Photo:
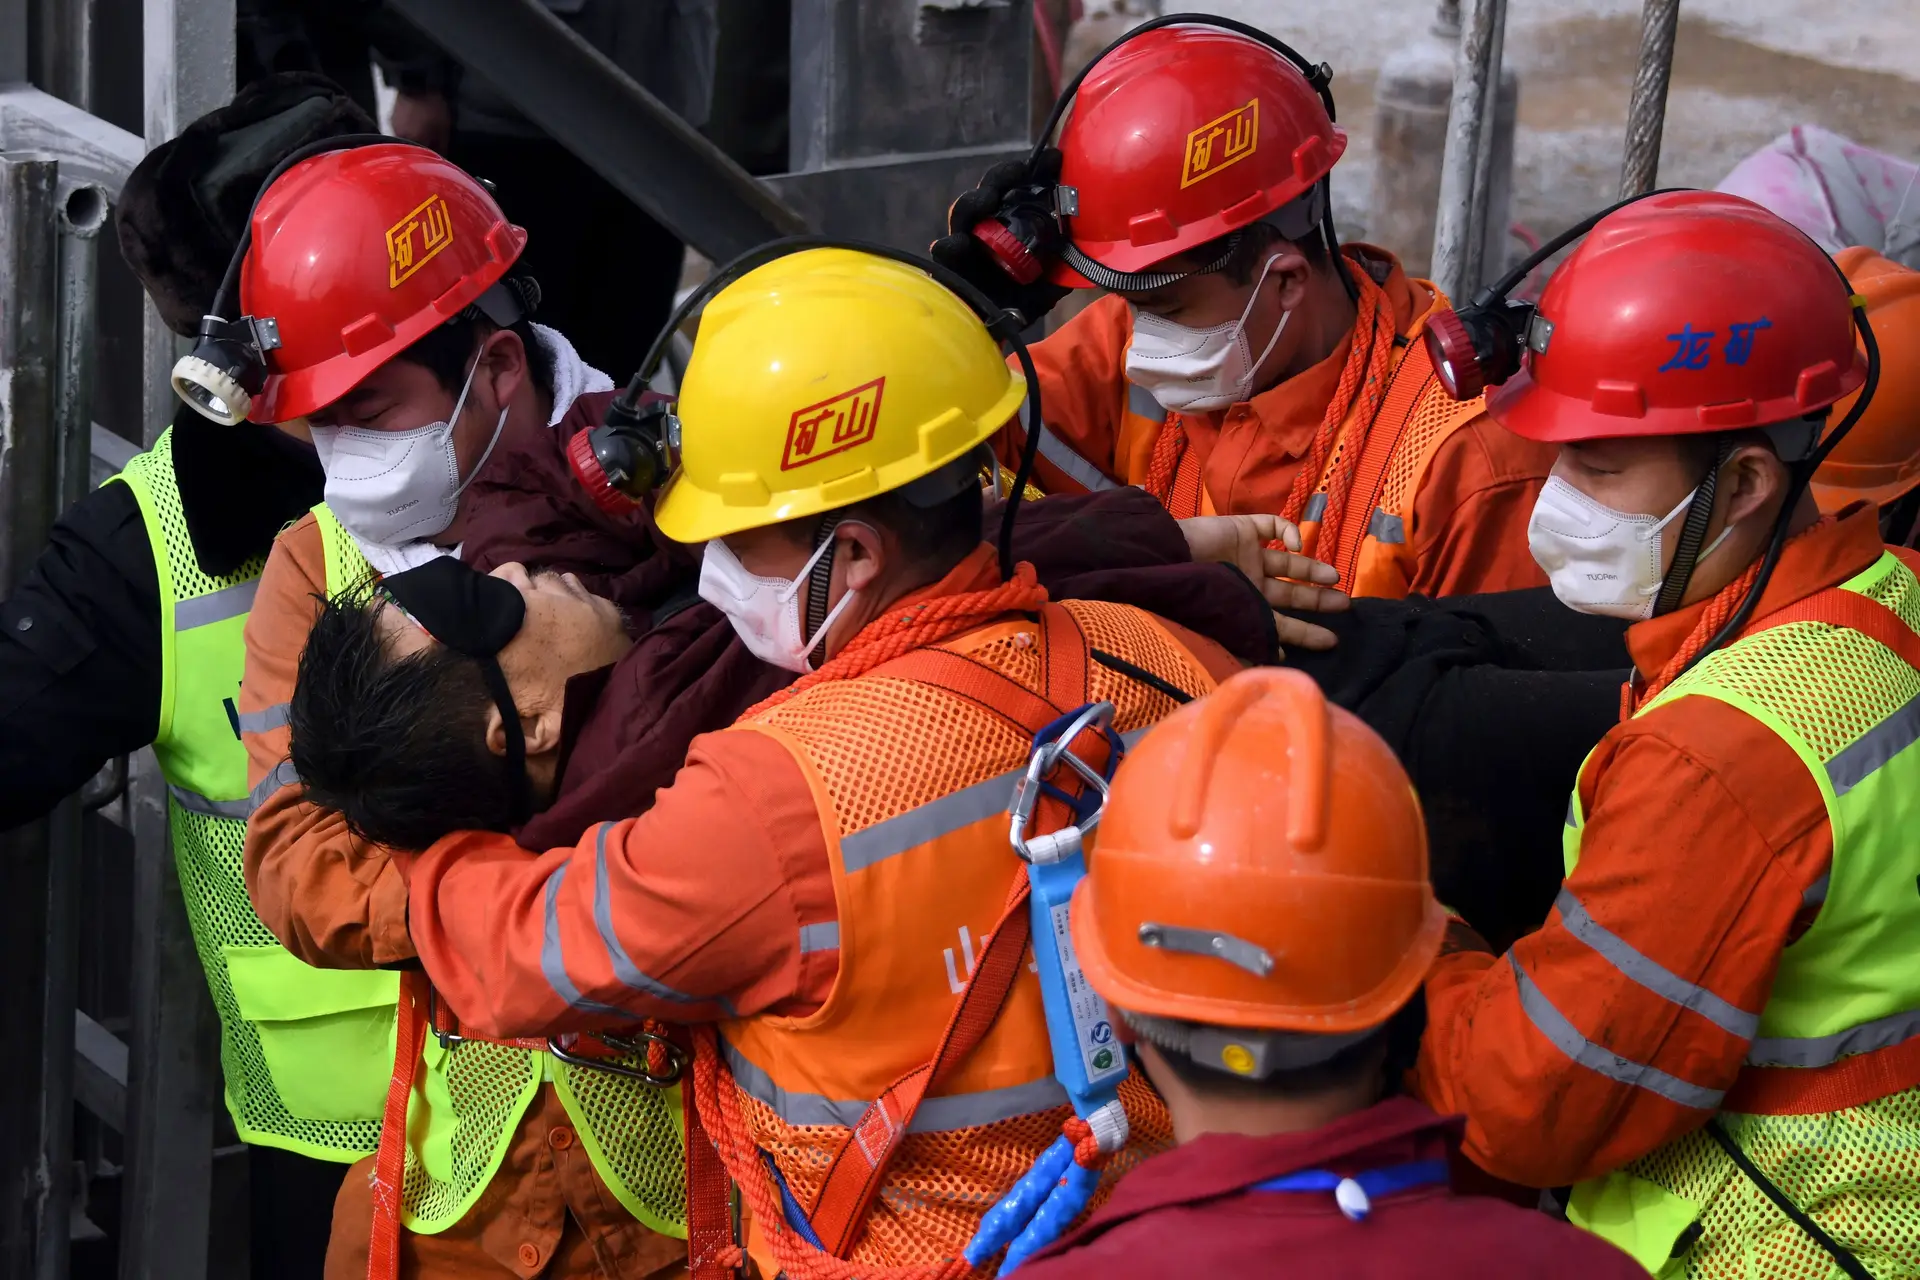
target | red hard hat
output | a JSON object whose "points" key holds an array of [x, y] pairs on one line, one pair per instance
{"points": [[1686, 313], [1182, 135], [357, 255]]}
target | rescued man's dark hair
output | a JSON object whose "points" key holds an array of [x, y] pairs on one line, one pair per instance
{"points": [[396, 745]]}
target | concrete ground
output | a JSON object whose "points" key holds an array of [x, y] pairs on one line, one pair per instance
{"points": [[1744, 71]]}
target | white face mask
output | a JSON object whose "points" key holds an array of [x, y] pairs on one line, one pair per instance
{"points": [[1198, 370], [765, 612], [1600, 560], [395, 487]]}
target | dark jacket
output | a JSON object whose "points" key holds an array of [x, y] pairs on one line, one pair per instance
{"points": [[1188, 1212], [80, 638]]}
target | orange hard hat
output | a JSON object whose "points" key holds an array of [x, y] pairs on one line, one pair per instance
{"points": [[1262, 864], [1879, 459], [358, 254]]}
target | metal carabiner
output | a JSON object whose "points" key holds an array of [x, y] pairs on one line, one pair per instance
{"points": [[448, 1040], [676, 1057], [1046, 757]]}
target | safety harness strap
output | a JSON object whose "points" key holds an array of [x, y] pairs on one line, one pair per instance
{"points": [[1341, 547], [390, 1160], [854, 1179]]}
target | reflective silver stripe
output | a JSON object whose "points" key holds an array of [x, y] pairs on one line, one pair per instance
{"points": [[194, 802], [1819, 1051], [622, 964], [1316, 507], [1650, 974], [553, 961], [937, 818], [1140, 401], [215, 606], [936, 1115], [1567, 1039], [927, 822], [1874, 748], [1816, 892], [1384, 526], [1062, 455], [1573, 816], [281, 775], [819, 937], [264, 721]]}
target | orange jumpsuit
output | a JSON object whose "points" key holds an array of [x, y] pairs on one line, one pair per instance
{"points": [[1468, 513], [1704, 836]]}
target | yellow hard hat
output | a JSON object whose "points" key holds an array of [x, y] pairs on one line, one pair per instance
{"points": [[823, 378]]}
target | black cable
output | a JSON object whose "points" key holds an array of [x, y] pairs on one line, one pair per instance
{"points": [[1802, 476], [1838, 1252], [1693, 531], [1509, 282], [1029, 455], [1141, 674]]}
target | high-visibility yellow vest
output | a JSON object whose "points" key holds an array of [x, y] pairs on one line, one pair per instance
{"points": [[305, 1052], [469, 1096], [1850, 709]]}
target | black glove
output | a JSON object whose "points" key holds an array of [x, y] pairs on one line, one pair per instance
{"points": [[1021, 199]]}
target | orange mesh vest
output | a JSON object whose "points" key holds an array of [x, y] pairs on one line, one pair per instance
{"points": [[1371, 550], [912, 783]]}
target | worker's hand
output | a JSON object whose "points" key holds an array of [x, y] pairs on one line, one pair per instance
{"points": [[961, 252], [1287, 579], [424, 116]]}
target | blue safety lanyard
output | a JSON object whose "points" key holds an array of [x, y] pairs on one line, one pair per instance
{"points": [[1355, 1193], [1088, 1059]]}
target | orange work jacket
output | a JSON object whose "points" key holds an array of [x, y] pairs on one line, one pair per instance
{"points": [[912, 784], [1442, 495]]}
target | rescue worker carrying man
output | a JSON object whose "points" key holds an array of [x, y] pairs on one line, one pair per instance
{"points": [[823, 878], [1715, 1036], [1243, 363], [384, 279], [1258, 915]]}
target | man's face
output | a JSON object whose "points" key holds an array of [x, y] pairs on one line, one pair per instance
{"points": [[404, 396], [1635, 476], [568, 631]]}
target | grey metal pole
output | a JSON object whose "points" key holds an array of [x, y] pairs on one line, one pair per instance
{"points": [[571, 90], [1647, 109], [29, 500], [1483, 162], [84, 209], [1470, 114], [13, 41]]}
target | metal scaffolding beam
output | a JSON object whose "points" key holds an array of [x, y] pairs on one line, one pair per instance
{"points": [[586, 103]]}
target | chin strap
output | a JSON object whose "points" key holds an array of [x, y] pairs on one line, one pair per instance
{"points": [[1693, 532]]}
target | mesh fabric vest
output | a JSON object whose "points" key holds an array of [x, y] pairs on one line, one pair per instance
{"points": [[912, 783], [1370, 549], [469, 1095], [304, 1052], [1847, 706]]}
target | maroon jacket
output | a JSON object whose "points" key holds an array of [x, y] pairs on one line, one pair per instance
{"points": [[1188, 1213]]}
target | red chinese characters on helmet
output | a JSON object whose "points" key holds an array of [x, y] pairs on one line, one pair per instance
{"points": [[1182, 135], [356, 255], [1686, 313]]}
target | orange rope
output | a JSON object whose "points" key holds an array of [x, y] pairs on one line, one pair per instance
{"points": [[720, 1112], [1368, 370], [1718, 610], [1168, 448], [915, 627]]}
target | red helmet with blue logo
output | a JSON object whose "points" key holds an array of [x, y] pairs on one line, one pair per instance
{"points": [[1687, 313]]}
